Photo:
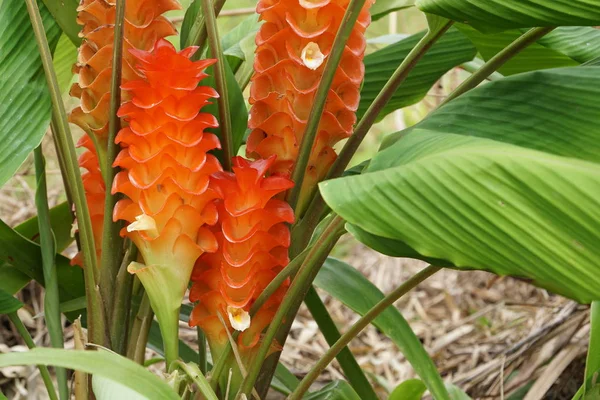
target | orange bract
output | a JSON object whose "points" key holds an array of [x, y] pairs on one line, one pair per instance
{"points": [[144, 25], [292, 47], [253, 247], [165, 165]]}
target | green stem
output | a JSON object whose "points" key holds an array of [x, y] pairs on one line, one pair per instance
{"points": [[303, 229], [333, 60], [202, 360], [112, 243], [592, 364], [289, 270], [122, 304], [362, 323], [524, 41], [221, 83], [284, 316], [14, 318], [48, 247], [350, 366], [96, 323], [139, 332], [198, 34]]}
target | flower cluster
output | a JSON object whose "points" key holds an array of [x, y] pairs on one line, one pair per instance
{"points": [[165, 170], [292, 46], [253, 248], [144, 25]]}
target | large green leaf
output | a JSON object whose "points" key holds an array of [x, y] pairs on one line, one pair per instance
{"points": [[534, 57], [483, 204], [24, 99], [238, 43], [8, 304], [489, 15], [99, 363], [343, 282], [65, 14], [60, 218], [451, 50], [25, 256], [11, 279], [534, 110], [382, 8]]}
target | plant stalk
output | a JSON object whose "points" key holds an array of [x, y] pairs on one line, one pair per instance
{"points": [[221, 83], [524, 41], [352, 370], [96, 322], [112, 243], [14, 318], [48, 248], [283, 318], [122, 304], [592, 364], [362, 323], [314, 118], [140, 331], [303, 229]]}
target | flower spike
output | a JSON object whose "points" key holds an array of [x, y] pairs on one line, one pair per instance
{"points": [[144, 25], [292, 47], [253, 239], [164, 175]]}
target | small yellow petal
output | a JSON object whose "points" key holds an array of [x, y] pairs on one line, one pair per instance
{"points": [[312, 56], [143, 223], [239, 318]]}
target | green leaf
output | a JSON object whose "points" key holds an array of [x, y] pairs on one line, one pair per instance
{"points": [[449, 51], [189, 32], [382, 8], [391, 247], [284, 381], [580, 43], [235, 42], [456, 393], [490, 15], [338, 390], [534, 57], [24, 98], [65, 14], [11, 279], [8, 304], [412, 389], [482, 204], [64, 57], [106, 389], [25, 256], [343, 282], [61, 220], [98, 363], [239, 112], [533, 110]]}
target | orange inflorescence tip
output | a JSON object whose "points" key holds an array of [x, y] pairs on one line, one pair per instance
{"points": [[253, 238], [292, 47], [144, 25], [164, 161]]}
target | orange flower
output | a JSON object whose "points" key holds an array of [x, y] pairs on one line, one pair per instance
{"points": [[165, 169], [144, 25], [253, 248], [292, 47]]}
